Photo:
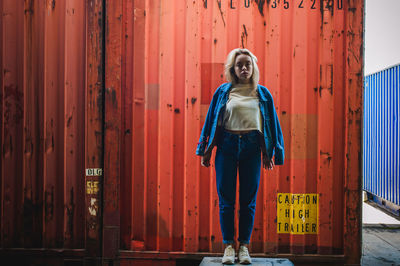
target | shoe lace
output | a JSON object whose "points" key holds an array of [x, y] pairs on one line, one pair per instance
{"points": [[244, 252], [229, 251]]}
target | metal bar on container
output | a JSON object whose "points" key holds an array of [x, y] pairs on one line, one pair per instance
{"points": [[397, 140], [339, 123], [283, 99], [392, 132], [311, 155], [272, 78], [191, 171], [325, 141], [74, 183], [12, 123], [298, 106], [94, 106], [148, 180], [54, 41], [126, 126], [33, 124], [178, 133], [212, 68], [112, 128], [138, 90], [167, 106], [353, 131], [205, 187]]}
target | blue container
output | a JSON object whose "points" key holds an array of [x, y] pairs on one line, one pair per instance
{"points": [[381, 136]]}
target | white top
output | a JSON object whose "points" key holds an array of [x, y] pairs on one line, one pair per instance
{"points": [[242, 109]]}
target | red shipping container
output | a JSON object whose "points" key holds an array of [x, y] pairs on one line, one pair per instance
{"points": [[101, 114], [172, 55]]}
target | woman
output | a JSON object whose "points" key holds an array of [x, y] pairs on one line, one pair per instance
{"points": [[242, 122]]}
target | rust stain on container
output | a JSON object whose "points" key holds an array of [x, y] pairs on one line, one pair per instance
{"points": [[244, 37]]}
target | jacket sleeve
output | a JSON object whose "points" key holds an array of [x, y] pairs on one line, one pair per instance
{"points": [[205, 132], [277, 136]]}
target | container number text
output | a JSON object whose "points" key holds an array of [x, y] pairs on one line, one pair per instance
{"points": [[286, 4]]}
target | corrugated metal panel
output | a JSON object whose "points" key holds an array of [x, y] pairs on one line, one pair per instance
{"points": [[310, 57], [42, 123], [381, 167]]}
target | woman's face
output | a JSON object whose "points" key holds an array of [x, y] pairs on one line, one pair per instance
{"points": [[243, 68]]}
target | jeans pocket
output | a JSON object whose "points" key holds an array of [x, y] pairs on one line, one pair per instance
{"points": [[252, 144], [226, 144], [253, 138]]}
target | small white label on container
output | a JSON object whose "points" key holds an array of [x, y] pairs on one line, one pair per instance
{"points": [[94, 172]]}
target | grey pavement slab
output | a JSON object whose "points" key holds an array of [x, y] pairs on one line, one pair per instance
{"points": [[255, 261], [380, 246], [371, 214]]}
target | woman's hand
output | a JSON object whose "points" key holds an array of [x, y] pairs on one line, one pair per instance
{"points": [[205, 160], [268, 163]]}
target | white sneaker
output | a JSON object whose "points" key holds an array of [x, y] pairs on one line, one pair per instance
{"points": [[229, 255], [243, 256]]}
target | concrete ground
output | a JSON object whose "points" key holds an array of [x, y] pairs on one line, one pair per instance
{"points": [[214, 261], [380, 238]]}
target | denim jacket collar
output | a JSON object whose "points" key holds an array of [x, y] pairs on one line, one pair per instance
{"points": [[261, 93]]}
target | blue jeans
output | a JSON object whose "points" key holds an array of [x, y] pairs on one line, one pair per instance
{"points": [[244, 152]]}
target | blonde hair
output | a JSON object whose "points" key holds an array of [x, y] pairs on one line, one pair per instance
{"points": [[230, 66]]}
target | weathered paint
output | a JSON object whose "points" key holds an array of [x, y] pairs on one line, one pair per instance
{"points": [[112, 129], [310, 58], [12, 124], [353, 123], [43, 74], [381, 170], [74, 120], [94, 125], [51, 100]]}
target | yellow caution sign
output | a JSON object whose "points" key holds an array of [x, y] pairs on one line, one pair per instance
{"points": [[297, 213]]}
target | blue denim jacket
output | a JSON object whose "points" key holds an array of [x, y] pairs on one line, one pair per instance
{"points": [[273, 138]]}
